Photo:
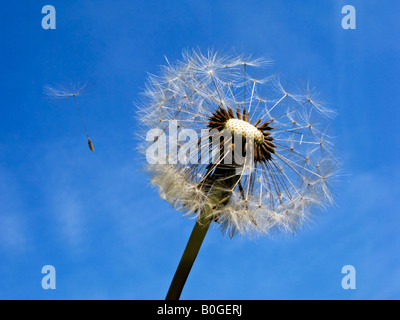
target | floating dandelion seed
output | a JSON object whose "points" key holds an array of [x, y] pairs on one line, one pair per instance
{"points": [[291, 161], [61, 94]]}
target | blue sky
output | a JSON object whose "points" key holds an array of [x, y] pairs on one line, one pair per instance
{"points": [[94, 216]]}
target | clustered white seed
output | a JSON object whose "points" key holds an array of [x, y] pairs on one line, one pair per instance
{"points": [[244, 129], [276, 195]]}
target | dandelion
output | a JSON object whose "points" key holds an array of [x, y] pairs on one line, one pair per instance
{"points": [[291, 161], [62, 94]]}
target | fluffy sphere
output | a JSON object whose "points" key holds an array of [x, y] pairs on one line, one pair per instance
{"points": [[195, 103]]}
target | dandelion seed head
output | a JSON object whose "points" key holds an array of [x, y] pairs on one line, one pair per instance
{"points": [[293, 162]]}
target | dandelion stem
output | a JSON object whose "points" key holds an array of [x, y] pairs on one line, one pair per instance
{"points": [[189, 255], [90, 143], [80, 116], [224, 179]]}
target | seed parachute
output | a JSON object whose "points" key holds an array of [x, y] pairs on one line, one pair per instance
{"points": [[61, 94]]}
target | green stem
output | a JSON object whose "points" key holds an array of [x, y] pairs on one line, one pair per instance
{"points": [[189, 255], [223, 180]]}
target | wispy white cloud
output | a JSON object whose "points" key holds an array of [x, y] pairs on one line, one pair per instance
{"points": [[13, 225], [67, 210]]}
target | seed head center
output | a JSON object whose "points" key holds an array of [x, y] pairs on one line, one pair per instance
{"points": [[245, 129]]}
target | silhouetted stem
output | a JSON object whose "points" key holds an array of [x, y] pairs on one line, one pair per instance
{"points": [[223, 181], [189, 255]]}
